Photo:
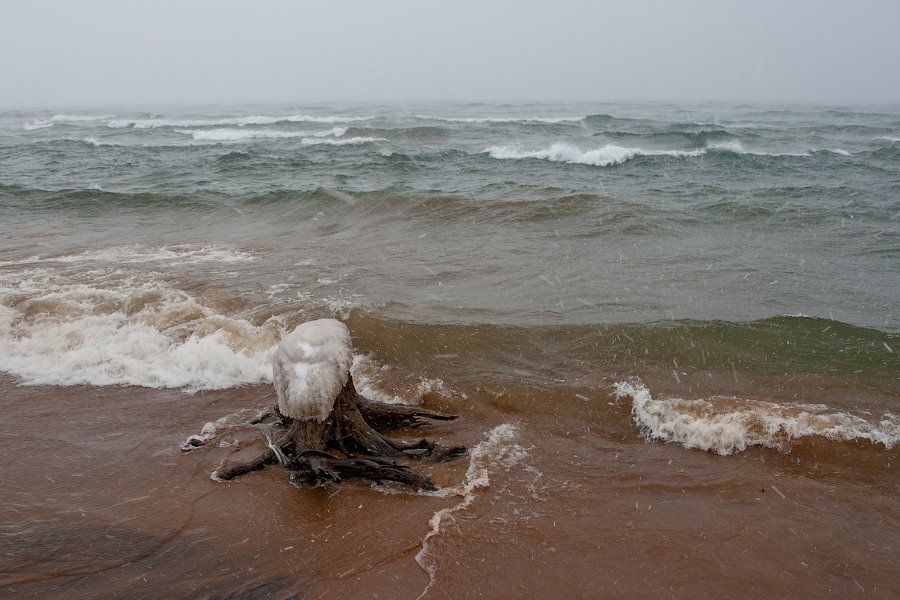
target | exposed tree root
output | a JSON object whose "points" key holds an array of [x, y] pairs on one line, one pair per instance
{"points": [[349, 443]]}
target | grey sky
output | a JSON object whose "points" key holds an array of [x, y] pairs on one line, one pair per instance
{"points": [[100, 52]]}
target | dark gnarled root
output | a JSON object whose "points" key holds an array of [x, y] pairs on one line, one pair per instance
{"points": [[316, 468], [381, 415], [353, 430]]}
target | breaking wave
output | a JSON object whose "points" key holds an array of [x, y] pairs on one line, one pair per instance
{"points": [[237, 135], [155, 122], [62, 118], [89, 319], [332, 137], [567, 153], [727, 425], [479, 120], [612, 154]]}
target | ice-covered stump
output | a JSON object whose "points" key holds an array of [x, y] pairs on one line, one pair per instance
{"points": [[323, 428]]}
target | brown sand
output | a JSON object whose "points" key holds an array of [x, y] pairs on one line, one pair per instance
{"points": [[99, 502]]}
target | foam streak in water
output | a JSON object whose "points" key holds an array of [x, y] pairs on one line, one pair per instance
{"points": [[498, 450]]}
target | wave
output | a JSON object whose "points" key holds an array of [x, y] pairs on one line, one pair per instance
{"points": [[90, 198], [356, 141], [612, 154], [93, 141], [156, 122], [237, 135], [115, 326], [726, 425], [609, 154], [61, 118], [697, 139], [481, 120], [171, 255], [408, 134], [332, 137], [109, 317], [736, 147]]}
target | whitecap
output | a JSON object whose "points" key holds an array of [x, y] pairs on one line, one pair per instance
{"points": [[735, 146], [61, 118], [726, 425], [90, 318], [353, 141], [156, 122], [307, 138], [609, 154], [478, 120]]}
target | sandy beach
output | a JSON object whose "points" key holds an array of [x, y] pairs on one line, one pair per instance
{"points": [[100, 502]]}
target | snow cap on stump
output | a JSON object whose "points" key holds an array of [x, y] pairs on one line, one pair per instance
{"points": [[311, 366]]}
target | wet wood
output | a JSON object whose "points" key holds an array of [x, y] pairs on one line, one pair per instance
{"points": [[349, 443]]}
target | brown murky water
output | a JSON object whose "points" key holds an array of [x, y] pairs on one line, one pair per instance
{"points": [[99, 502]]}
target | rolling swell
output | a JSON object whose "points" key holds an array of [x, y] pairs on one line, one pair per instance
{"points": [[545, 355], [693, 139], [95, 200]]}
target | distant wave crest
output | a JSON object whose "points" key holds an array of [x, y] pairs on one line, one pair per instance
{"points": [[331, 137], [612, 154], [156, 122], [481, 120], [237, 135], [609, 154], [61, 118]]}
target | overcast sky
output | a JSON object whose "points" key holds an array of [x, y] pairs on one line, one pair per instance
{"points": [[100, 52]]}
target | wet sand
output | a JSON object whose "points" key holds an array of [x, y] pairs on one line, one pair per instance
{"points": [[99, 502]]}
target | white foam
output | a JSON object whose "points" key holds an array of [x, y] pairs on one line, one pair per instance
{"points": [[213, 429], [92, 141], [353, 141], [331, 137], [37, 124], [74, 343], [92, 319], [366, 373], [734, 146], [498, 451], [157, 122], [62, 118], [175, 254], [609, 154], [726, 425], [476, 120]]}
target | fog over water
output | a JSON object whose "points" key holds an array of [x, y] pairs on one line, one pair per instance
{"points": [[101, 53]]}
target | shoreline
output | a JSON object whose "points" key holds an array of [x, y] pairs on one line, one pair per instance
{"points": [[102, 503]]}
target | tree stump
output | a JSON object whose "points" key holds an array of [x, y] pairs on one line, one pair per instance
{"points": [[349, 443], [311, 363]]}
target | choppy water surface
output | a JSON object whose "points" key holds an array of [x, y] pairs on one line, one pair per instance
{"points": [[685, 309]]}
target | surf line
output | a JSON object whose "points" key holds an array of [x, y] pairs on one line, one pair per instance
{"points": [[499, 448]]}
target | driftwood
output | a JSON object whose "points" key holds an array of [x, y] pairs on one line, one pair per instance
{"points": [[348, 443]]}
